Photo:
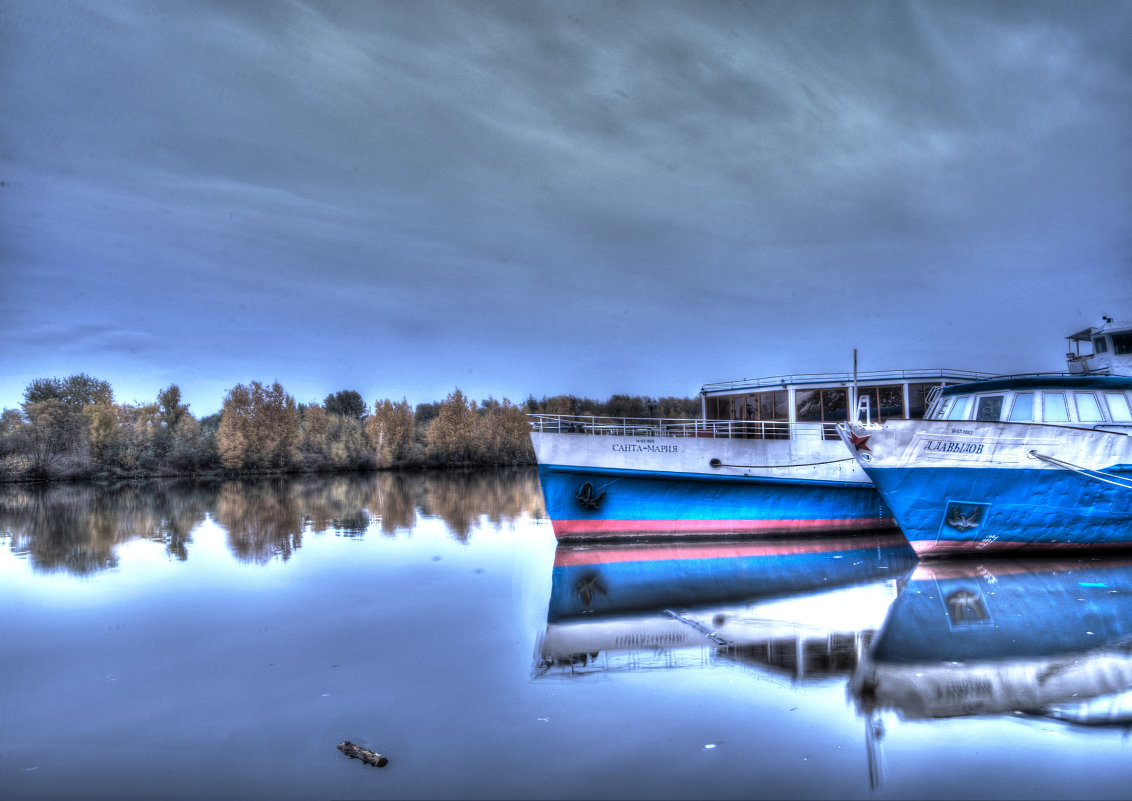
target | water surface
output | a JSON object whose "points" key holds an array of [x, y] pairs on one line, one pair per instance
{"points": [[193, 640]]}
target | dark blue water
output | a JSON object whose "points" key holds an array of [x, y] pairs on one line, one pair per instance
{"points": [[220, 640]]}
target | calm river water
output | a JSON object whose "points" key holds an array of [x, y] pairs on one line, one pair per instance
{"points": [[219, 640]]}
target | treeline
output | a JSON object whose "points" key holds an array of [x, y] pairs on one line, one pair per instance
{"points": [[73, 428]]}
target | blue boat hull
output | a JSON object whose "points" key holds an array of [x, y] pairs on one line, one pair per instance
{"points": [[955, 509], [587, 504]]}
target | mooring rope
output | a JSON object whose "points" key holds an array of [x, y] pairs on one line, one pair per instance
{"points": [[700, 627], [717, 463], [1098, 475]]}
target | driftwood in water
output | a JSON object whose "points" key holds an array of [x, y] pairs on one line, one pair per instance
{"points": [[364, 754]]}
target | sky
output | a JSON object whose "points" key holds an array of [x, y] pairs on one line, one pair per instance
{"points": [[539, 198]]}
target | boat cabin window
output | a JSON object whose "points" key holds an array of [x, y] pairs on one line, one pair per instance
{"points": [[757, 406], [918, 399], [821, 405], [958, 409], [989, 407], [1118, 408], [718, 408], [1054, 409], [885, 402], [1099, 345], [774, 405], [1122, 344], [1023, 409], [1088, 409], [771, 410]]}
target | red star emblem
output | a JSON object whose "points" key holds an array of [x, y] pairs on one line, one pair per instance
{"points": [[859, 442]]}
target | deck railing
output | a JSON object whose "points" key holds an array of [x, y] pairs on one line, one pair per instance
{"points": [[926, 375], [677, 427]]}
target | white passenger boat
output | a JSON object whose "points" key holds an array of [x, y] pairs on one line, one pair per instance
{"points": [[764, 458], [1029, 461]]}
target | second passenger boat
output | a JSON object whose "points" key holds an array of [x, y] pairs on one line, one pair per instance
{"points": [[1026, 462]]}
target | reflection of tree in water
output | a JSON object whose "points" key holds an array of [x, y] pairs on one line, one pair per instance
{"points": [[461, 499], [164, 511], [263, 518], [393, 500], [333, 503], [58, 528], [77, 527]]}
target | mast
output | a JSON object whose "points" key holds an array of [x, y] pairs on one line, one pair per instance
{"points": [[853, 402]]}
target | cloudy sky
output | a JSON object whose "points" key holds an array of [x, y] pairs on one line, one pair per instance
{"points": [[515, 198]]}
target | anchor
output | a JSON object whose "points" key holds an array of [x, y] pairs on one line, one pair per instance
{"points": [[958, 519], [586, 496], [586, 587]]}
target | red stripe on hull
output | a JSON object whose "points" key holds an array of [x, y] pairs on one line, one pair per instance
{"points": [[603, 529], [927, 548], [588, 555], [943, 569]]}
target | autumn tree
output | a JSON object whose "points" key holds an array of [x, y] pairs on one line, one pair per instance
{"points": [[104, 430], [259, 427], [168, 415], [169, 407], [349, 447], [449, 436], [138, 426], [562, 404], [186, 445], [502, 434], [390, 429], [627, 406], [53, 430], [11, 426], [314, 431], [683, 408]]}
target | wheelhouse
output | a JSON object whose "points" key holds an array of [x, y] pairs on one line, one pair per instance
{"points": [[1090, 401], [1101, 350]]}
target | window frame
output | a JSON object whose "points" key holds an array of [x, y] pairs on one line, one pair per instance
{"points": [[1014, 405], [1046, 396], [959, 409], [1077, 395], [1125, 411], [990, 396]]}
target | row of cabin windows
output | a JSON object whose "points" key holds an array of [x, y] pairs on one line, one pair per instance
{"points": [[1047, 407], [820, 405]]}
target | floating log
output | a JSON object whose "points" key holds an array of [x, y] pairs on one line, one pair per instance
{"points": [[364, 754]]}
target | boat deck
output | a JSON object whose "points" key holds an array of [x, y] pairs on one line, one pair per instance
{"points": [[675, 427]]}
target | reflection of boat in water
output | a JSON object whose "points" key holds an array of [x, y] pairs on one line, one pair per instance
{"points": [[807, 607], [1052, 638]]}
